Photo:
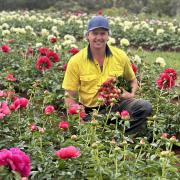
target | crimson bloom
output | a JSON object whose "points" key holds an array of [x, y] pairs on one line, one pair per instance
{"points": [[49, 109], [10, 77], [43, 64], [43, 51], [64, 125], [68, 152], [134, 67], [5, 48], [53, 39], [171, 72], [16, 160], [53, 56], [165, 81], [73, 51]]}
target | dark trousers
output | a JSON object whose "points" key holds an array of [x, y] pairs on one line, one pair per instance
{"points": [[138, 110]]}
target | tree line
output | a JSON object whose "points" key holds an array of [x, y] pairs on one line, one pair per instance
{"points": [[158, 7]]}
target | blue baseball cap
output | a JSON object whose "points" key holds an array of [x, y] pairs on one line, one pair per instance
{"points": [[98, 22]]}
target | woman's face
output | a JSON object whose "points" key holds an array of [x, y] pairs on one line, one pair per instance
{"points": [[97, 38]]}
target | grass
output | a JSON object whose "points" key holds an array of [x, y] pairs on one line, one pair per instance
{"points": [[172, 59]]}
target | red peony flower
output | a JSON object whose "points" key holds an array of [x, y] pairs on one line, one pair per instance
{"points": [[53, 56], [134, 67], [17, 160], [171, 72], [10, 77], [73, 51], [43, 51], [165, 81], [5, 48], [49, 109], [64, 125], [68, 152], [124, 115], [43, 64], [53, 39]]}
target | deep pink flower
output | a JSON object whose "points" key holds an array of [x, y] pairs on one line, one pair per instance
{"points": [[74, 109], [65, 67], [17, 160], [10, 77], [19, 103], [53, 56], [30, 51], [4, 108], [73, 51], [171, 72], [33, 127], [134, 67], [49, 109], [165, 81], [43, 64], [1, 93], [5, 48], [64, 125], [68, 152], [124, 115]]}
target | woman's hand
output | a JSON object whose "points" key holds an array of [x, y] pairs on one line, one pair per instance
{"points": [[127, 95]]}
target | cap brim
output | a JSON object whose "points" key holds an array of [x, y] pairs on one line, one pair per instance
{"points": [[97, 28]]}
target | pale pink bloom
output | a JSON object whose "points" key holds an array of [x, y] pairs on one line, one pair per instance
{"points": [[2, 115], [10, 77], [49, 109], [1, 93]]}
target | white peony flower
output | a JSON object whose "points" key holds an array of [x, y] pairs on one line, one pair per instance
{"points": [[111, 41], [159, 31], [44, 32], [137, 59], [160, 61], [124, 42]]}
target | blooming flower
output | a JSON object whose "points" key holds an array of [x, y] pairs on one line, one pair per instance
{"points": [[16, 160], [43, 51], [165, 81], [124, 115], [171, 72], [164, 136], [33, 127], [10, 77], [73, 51], [124, 42], [53, 39], [68, 152], [19, 103], [160, 61], [53, 56], [49, 109], [64, 125], [43, 63], [5, 48]]}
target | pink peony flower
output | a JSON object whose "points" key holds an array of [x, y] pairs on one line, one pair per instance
{"points": [[74, 109], [19, 103], [124, 115], [164, 135], [43, 51], [17, 160], [4, 108], [64, 125], [10, 77], [1, 93], [33, 127], [2, 115], [49, 109], [68, 152]]}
